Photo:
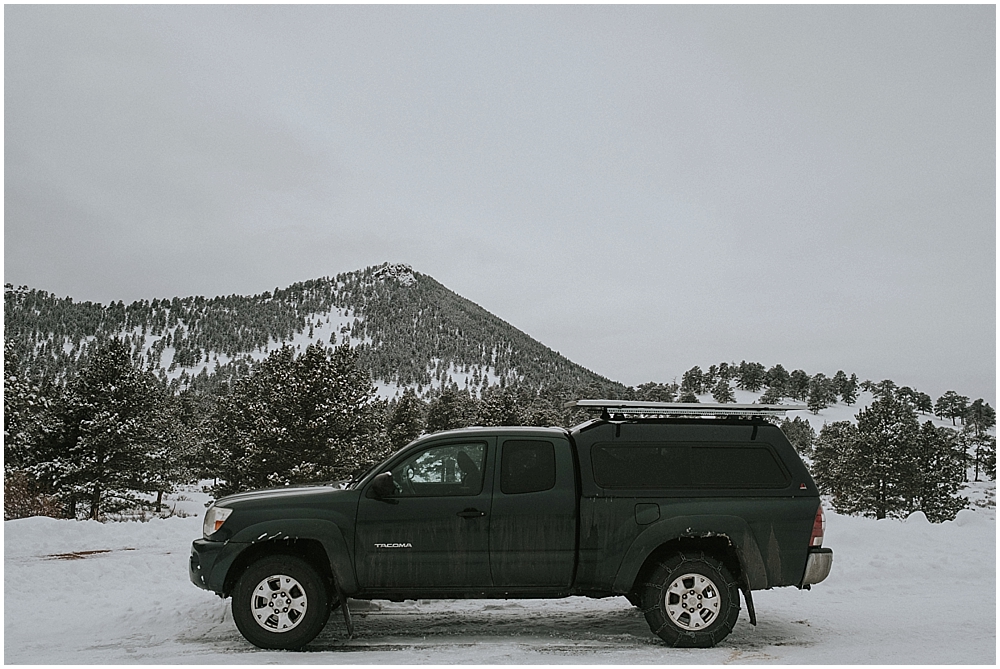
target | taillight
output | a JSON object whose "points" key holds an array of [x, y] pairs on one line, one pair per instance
{"points": [[819, 527]]}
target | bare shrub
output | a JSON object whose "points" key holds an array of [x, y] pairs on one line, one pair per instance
{"points": [[23, 499]]}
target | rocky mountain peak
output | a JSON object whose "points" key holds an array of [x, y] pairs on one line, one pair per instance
{"points": [[400, 272]]}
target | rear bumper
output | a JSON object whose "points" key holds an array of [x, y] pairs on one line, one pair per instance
{"points": [[817, 566]]}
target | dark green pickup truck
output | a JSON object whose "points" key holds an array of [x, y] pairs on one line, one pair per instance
{"points": [[677, 507]]}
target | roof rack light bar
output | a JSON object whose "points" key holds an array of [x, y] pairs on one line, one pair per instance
{"points": [[627, 408]]}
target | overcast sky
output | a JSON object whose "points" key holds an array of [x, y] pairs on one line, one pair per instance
{"points": [[641, 188]]}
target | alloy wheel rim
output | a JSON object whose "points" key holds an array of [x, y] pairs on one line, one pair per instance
{"points": [[279, 603], [692, 602]]}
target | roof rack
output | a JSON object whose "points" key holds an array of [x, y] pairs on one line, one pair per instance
{"points": [[631, 409]]}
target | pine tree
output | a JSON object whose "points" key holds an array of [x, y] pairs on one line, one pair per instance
{"points": [[884, 388], [839, 382], [951, 405], [849, 392], [656, 392], [990, 461], [692, 381], [26, 423], [886, 429], [983, 447], [24, 407], [869, 469], [451, 410], [820, 393], [687, 396], [711, 376], [778, 379], [908, 395], [800, 433], [99, 454], [193, 412], [544, 417], [751, 376], [938, 474], [770, 396], [833, 464], [979, 418], [545, 407], [722, 393], [177, 449], [406, 421], [304, 419], [500, 407], [888, 465], [798, 385]]}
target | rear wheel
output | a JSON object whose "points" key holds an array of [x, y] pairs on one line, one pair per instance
{"points": [[691, 601], [280, 602]]}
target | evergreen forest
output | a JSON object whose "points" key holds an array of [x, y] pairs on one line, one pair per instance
{"points": [[108, 407]]}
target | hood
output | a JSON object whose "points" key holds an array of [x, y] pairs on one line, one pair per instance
{"points": [[278, 493]]}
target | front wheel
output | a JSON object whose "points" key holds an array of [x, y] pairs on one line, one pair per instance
{"points": [[280, 602], [691, 601]]}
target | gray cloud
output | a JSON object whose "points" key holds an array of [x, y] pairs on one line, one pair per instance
{"points": [[642, 188]]}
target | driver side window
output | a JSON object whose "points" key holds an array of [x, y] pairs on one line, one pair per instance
{"points": [[442, 470]]}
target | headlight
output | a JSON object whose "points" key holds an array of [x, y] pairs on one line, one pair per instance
{"points": [[215, 516]]}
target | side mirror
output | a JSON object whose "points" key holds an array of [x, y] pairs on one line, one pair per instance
{"points": [[382, 486]]}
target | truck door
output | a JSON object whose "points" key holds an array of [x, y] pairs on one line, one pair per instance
{"points": [[533, 530], [434, 532]]}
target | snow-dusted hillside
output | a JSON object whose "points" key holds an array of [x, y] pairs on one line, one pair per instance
{"points": [[410, 331], [901, 592]]}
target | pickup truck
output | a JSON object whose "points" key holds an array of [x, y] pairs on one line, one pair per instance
{"points": [[677, 507]]}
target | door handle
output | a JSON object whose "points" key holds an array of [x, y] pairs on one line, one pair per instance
{"points": [[471, 513]]}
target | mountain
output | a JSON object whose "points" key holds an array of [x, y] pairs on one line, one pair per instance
{"points": [[409, 330]]}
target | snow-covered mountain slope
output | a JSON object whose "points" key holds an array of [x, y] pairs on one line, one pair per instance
{"points": [[901, 592], [409, 329]]}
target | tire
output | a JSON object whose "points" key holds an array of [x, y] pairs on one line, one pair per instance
{"points": [[280, 602], [714, 601]]}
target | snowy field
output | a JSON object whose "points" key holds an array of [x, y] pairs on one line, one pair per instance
{"points": [[901, 592]]}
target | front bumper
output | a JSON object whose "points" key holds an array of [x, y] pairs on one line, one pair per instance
{"points": [[204, 565], [818, 566]]}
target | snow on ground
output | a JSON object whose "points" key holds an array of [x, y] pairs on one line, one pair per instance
{"points": [[901, 592]]}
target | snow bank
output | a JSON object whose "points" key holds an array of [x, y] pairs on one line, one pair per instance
{"points": [[39, 537]]}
